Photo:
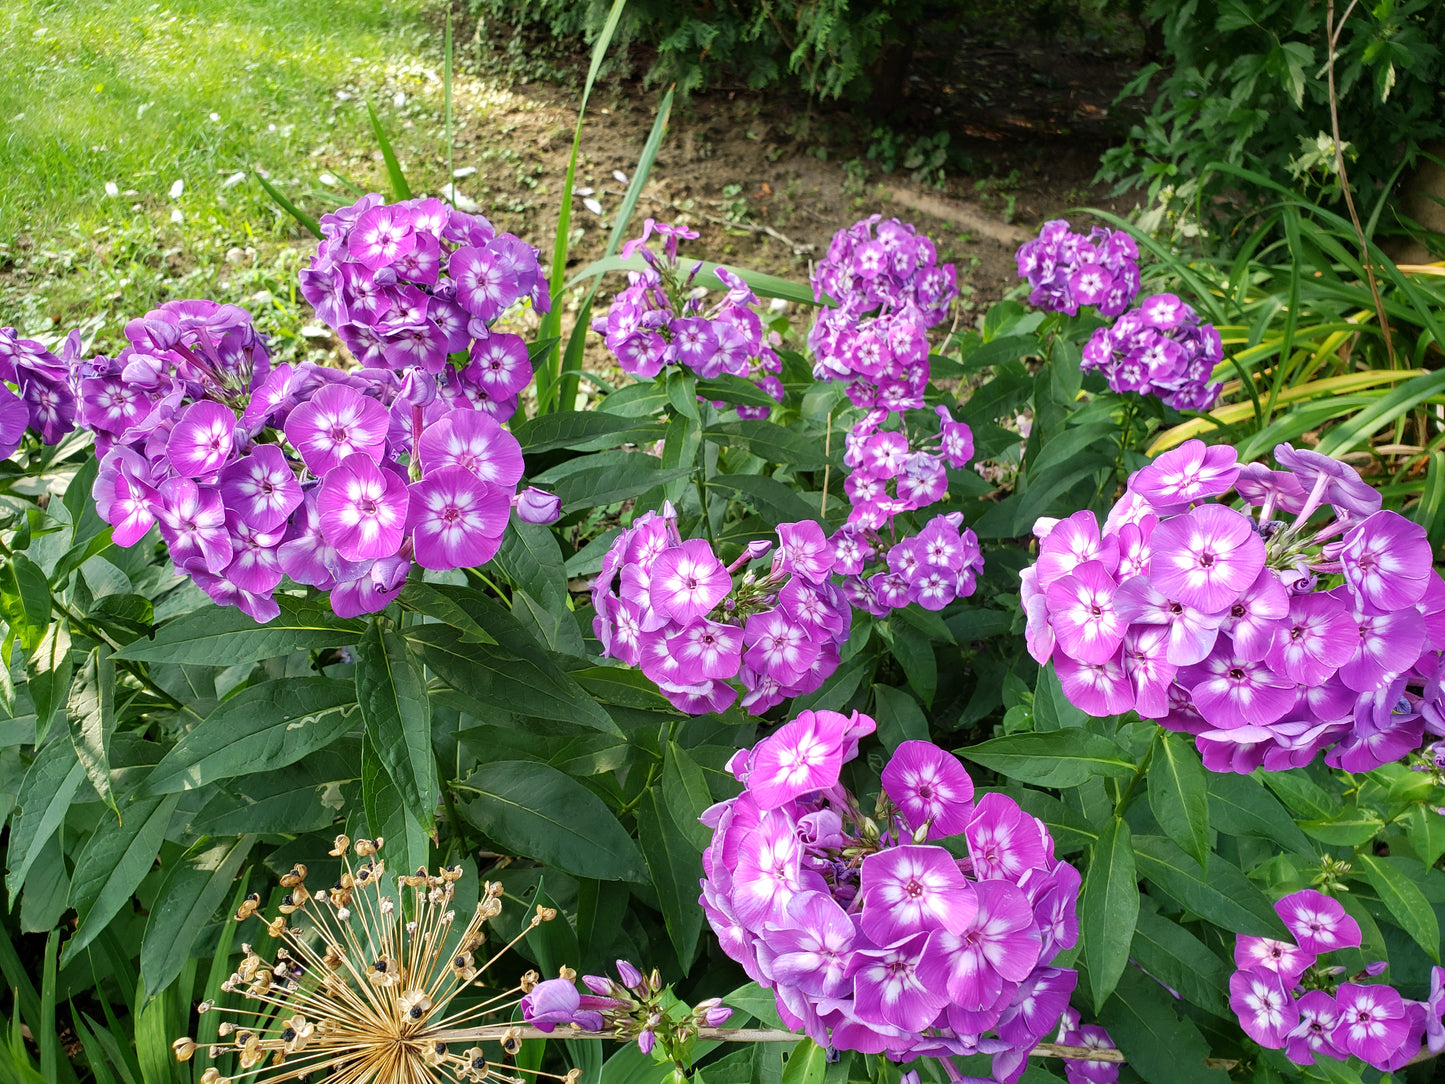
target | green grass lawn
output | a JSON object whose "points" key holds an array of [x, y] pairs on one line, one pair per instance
{"points": [[127, 130]]}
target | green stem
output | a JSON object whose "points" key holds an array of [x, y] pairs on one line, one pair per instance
{"points": [[1139, 774], [1116, 472], [700, 478]]}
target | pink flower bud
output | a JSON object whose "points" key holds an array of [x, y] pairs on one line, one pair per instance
{"points": [[537, 506]]}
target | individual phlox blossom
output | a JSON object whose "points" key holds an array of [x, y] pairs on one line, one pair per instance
{"points": [[1271, 614], [661, 319], [363, 509], [1318, 923], [412, 284], [1066, 270], [672, 608], [1081, 1071], [1161, 349], [1372, 1021], [871, 937], [1264, 1005], [456, 519], [1290, 961]]}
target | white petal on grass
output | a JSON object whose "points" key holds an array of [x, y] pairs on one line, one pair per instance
{"points": [[327, 179], [234, 179], [177, 189], [584, 191], [111, 188], [592, 205], [464, 171], [398, 99], [215, 116], [619, 176], [314, 331], [177, 217]]}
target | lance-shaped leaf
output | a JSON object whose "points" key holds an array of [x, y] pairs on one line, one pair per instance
{"points": [[1109, 908], [264, 727], [1225, 896], [90, 711], [397, 713], [1404, 898], [188, 900], [1161, 1048], [1055, 758], [1177, 794], [213, 636], [45, 794]]}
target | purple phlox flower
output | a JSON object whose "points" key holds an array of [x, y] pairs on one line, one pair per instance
{"points": [[456, 519], [768, 871], [307, 557], [804, 550], [193, 523], [471, 439], [1318, 1018], [1034, 1011], [1149, 669], [1435, 1011], [1316, 638], [1267, 1012], [1382, 643], [813, 947], [254, 567], [362, 508], [801, 756], [556, 1001], [1038, 633], [1386, 561], [372, 589], [534, 505], [902, 985], [1207, 557], [1003, 841], [202, 439], [778, 647], [261, 487], [1269, 489], [335, 424], [1080, 1071], [1071, 543], [1289, 960], [1187, 474], [706, 651], [1098, 688], [381, 235], [1327, 479], [1252, 619], [929, 786], [123, 495], [1318, 922], [1087, 618], [1372, 1023], [1229, 691], [499, 363], [688, 581], [1001, 945], [956, 439], [913, 889]]}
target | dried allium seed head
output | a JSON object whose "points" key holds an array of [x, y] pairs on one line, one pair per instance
{"points": [[365, 847], [340, 846], [183, 1048], [277, 926], [512, 1042], [248, 907], [295, 877]]}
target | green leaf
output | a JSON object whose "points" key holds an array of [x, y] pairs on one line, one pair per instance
{"points": [[530, 557], [584, 430], [1108, 909], [113, 863], [595, 485], [399, 188], [549, 816], [1177, 794], [388, 815], [45, 794], [1160, 1047], [771, 442], [306, 221], [900, 719], [495, 678], [776, 501], [1182, 962], [734, 389], [1055, 758], [675, 867], [1426, 831], [1225, 897], [397, 715], [1240, 806], [188, 900], [224, 636], [261, 728], [1052, 710], [806, 1064], [27, 609], [1350, 827], [1404, 899], [90, 712]]}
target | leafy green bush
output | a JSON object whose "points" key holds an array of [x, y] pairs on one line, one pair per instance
{"points": [[1244, 84]]}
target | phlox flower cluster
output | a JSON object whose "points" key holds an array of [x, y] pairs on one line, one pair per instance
{"points": [[872, 935], [1159, 349], [890, 474], [1066, 270], [254, 473], [36, 392], [1287, 1000], [632, 1006], [672, 609], [1304, 619], [889, 289], [413, 284], [1073, 1032], [660, 319]]}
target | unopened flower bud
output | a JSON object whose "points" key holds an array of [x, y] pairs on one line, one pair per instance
{"points": [[645, 1040], [630, 976], [534, 505], [716, 1017]]}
